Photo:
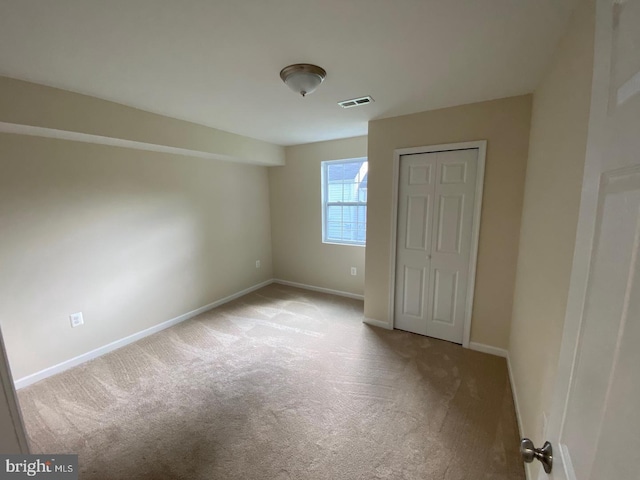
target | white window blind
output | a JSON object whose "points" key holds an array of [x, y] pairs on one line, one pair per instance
{"points": [[344, 201]]}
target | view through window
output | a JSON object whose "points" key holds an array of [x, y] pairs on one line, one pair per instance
{"points": [[344, 201]]}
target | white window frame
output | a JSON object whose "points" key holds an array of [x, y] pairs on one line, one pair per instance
{"points": [[324, 204]]}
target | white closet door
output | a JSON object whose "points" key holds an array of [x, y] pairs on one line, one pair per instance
{"points": [[415, 217], [435, 219], [451, 243]]}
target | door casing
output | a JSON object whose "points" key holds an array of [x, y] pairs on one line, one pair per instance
{"points": [[14, 436]]}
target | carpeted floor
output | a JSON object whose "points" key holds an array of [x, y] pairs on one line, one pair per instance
{"points": [[281, 384]]}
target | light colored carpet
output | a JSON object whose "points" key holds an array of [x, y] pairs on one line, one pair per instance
{"points": [[281, 384]]}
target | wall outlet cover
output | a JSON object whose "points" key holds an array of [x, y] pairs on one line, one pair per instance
{"points": [[76, 319]]}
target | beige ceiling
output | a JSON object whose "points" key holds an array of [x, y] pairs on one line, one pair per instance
{"points": [[216, 62]]}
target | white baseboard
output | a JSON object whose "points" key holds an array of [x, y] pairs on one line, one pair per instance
{"points": [[377, 323], [85, 357], [319, 289], [481, 347], [500, 352]]}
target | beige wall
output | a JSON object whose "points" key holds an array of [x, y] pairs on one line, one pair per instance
{"points": [[130, 238], [505, 125], [549, 220], [30, 104], [296, 220]]}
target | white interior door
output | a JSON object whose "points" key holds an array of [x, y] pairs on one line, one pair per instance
{"points": [[434, 238], [594, 425]]}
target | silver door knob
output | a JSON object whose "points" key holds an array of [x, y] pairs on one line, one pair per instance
{"points": [[545, 454]]}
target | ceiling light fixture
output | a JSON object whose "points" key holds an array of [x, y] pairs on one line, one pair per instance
{"points": [[303, 78]]}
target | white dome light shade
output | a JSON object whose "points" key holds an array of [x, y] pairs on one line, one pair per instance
{"points": [[303, 78]]}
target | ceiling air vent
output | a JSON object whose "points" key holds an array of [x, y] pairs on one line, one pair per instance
{"points": [[355, 102]]}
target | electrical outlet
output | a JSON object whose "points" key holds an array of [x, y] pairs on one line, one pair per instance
{"points": [[354, 271], [76, 319], [257, 263]]}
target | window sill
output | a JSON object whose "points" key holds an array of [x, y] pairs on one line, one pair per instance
{"points": [[345, 244]]}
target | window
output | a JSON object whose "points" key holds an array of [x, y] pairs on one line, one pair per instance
{"points": [[344, 201]]}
